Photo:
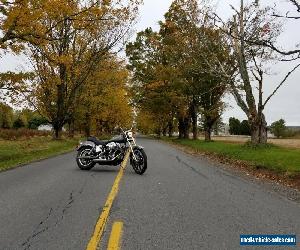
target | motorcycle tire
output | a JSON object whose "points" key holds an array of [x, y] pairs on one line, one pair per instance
{"points": [[139, 166], [84, 164]]}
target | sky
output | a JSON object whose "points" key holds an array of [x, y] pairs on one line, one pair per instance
{"points": [[285, 104]]}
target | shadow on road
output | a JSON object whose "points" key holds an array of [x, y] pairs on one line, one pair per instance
{"points": [[99, 169]]}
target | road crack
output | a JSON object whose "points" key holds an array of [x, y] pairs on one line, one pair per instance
{"points": [[191, 167], [37, 231], [40, 230]]}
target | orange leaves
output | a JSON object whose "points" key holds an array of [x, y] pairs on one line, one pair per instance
{"points": [[105, 95], [70, 45]]}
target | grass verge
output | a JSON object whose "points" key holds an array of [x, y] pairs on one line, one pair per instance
{"points": [[19, 152], [270, 157]]}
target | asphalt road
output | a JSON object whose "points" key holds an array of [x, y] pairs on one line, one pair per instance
{"points": [[181, 202]]}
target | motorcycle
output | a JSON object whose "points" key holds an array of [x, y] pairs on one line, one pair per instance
{"points": [[111, 152]]}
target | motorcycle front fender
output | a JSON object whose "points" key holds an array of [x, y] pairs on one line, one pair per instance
{"points": [[137, 147]]}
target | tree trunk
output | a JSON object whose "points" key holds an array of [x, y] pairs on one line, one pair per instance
{"points": [[71, 128], [207, 134], [170, 129], [57, 132], [195, 126], [158, 132], [186, 128], [164, 131], [181, 128], [194, 118], [209, 122], [87, 127], [259, 130], [59, 120]]}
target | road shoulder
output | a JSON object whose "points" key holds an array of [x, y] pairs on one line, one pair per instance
{"points": [[274, 182]]}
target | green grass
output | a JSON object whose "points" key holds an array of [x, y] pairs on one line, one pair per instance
{"points": [[18, 152], [270, 157]]}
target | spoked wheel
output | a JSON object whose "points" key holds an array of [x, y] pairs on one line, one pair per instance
{"points": [[85, 164], [139, 164]]}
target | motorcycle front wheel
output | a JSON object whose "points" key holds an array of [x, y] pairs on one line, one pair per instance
{"points": [[84, 164], [139, 164]]}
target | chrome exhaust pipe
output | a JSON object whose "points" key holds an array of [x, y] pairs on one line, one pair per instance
{"points": [[107, 161]]}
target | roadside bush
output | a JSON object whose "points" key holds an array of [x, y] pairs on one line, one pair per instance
{"points": [[13, 134], [6, 116], [36, 121], [19, 123]]}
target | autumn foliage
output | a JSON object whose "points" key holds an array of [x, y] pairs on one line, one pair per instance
{"points": [[172, 86], [71, 46]]}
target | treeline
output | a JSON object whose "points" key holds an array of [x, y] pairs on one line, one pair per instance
{"points": [[78, 80], [172, 83], [236, 127], [277, 128], [9, 118], [182, 72]]}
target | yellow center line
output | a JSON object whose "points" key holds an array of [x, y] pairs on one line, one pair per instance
{"points": [[100, 225], [115, 236]]}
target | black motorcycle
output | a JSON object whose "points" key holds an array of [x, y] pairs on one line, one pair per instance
{"points": [[111, 152]]}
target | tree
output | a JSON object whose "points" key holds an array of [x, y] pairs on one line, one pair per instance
{"points": [[234, 126], [35, 121], [170, 71], [293, 54], [19, 123], [103, 103], [10, 82], [278, 128], [6, 116], [219, 126], [153, 84], [21, 24], [82, 35], [245, 128], [249, 26]]}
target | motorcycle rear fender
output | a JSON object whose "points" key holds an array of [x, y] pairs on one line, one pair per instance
{"points": [[84, 144]]}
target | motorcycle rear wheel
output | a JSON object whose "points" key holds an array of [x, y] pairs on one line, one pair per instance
{"points": [[82, 163]]}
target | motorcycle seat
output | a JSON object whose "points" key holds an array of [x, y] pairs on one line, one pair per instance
{"points": [[96, 141]]}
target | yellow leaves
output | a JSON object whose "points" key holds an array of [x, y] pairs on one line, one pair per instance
{"points": [[155, 85], [105, 95], [57, 9], [69, 41], [64, 59]]}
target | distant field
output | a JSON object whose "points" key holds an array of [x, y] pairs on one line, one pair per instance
{"points": [[288, 143], [17, 152]]}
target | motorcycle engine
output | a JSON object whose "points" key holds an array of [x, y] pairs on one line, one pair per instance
{"points": [[113, 150]]}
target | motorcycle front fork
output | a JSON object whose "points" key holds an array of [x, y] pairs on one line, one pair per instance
{"points": [[131, 150]]}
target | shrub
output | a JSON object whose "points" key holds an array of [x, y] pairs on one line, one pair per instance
{"points": [[36, 121], [6, 116], [13, 134], [19, 123]]}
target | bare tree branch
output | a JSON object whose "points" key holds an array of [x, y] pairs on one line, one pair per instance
{"points": [[280, 84]]}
